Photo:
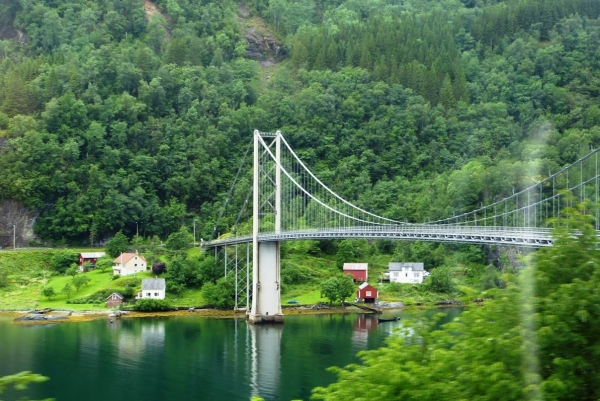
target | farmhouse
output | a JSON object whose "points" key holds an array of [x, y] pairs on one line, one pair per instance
{"points": [[152, 288], [411, 273], [91, 257], [366, 293], [129, 263], [358, 271]]}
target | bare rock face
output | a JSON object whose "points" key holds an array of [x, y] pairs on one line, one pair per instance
{"points": [[16, 222], [261, 43], [8, 32]]}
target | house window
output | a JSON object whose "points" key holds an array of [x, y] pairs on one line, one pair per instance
{"points": [[416, 274], [156, 294], [368, 293], [148, 294], [406, 275], [135, 265]]}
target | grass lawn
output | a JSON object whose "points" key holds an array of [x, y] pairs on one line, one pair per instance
{"points": [[302, 294], [189, 297], [99, 281]]}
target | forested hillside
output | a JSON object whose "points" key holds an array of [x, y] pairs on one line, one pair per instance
{"points": [[123, 114]]}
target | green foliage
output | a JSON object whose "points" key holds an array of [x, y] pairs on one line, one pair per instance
{"points": [[440, 280], [115, 123], [80, 280], [3, 278], [220, 294], [117, 245], [490, 278], [184, 271], [104, 263], [67, 290], [535, 340], [20, 381], [180, 240], [151, 305], [338, 288], [294, 273], [48, 292], [97, 298], [87, 266], [210, 272], [62, 260], [351, 250], [72, 270]]}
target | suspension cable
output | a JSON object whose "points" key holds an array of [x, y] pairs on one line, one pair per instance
{"points": [[231, 190]]}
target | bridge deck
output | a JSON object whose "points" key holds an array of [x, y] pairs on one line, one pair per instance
{"points": [[525, 237]]}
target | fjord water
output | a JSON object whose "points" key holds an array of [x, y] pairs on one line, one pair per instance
{"points": [[182, 358]]}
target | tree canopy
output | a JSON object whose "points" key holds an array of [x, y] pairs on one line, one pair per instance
{"points": [[113, 120]]}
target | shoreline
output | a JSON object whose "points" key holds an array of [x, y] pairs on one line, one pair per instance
{"points": [[69, 316]]}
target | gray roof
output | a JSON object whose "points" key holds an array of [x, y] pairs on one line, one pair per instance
{"points": [[92, 255], [356, 266], [397, 266], [153, 284]]}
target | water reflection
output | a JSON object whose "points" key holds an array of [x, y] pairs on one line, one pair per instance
{"points": [[265, 352], [189, 357], [362, 326]]}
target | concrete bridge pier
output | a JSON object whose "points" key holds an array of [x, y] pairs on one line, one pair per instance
{"points": [[266, 303], [266, 294]]}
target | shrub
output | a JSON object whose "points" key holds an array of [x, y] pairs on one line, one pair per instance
{"points": [[159, 268], [48, 292], [3, 279], [62, 260], [95, 298], [150, 305]]}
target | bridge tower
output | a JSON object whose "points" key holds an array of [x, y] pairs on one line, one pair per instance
{"points": [[266, 271]]}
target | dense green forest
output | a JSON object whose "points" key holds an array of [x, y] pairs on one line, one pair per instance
{"points": [[112, 115]]}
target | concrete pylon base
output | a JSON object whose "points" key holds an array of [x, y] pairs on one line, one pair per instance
{"points": [[265, 319]]}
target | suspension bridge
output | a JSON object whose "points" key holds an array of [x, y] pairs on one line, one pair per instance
{"points": [[290, 203]]}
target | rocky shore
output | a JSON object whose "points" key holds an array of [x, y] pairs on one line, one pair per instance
{"points": [[65, 316]]}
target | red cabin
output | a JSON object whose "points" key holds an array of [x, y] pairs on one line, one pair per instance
{"points": [[358, 271], [366, 293], [91, 257]]}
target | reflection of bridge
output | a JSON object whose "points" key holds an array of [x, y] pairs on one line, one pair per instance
{"points": [[290, 203]]}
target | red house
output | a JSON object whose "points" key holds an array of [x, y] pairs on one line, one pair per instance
{"points": [[366, 293], [358, 271], [91, 257]]}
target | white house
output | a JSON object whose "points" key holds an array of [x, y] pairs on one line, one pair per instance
{"points": [[412, 273], [152, 288], [129, 263]]}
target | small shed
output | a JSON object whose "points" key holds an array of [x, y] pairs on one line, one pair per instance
{"points": [[366, 293], [114, 299], [358, 271], [154, 288]]}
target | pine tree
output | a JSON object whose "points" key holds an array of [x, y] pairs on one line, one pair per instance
{"points": [[461, 90], [16, 98], [446, 97]]}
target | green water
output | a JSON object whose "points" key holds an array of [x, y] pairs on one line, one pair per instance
{"points": [[187, 358]]}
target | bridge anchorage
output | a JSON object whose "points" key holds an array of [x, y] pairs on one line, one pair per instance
{"points": [[290, 203]]}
